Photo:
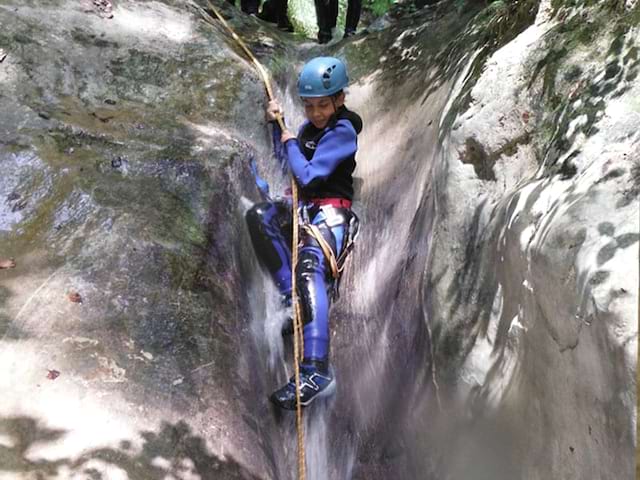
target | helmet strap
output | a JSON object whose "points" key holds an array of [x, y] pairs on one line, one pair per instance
{"points": [[334, 117]]}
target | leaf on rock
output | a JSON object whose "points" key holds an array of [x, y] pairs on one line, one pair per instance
{"points": [[74, 297]]}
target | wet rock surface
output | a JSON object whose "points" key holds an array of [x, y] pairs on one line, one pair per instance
{"points": [[531, 302], [121, 158], [487, 325]]}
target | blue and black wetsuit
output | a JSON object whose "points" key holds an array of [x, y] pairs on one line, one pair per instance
{"points": [[322, 162]]}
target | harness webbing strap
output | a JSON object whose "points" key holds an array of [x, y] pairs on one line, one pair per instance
{"points": [[314, 231]]}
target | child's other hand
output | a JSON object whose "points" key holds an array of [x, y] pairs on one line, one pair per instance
{"points": [[286, 136], [273, 109]]}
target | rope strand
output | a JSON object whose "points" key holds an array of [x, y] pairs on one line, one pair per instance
{"points": [[298, 347]]}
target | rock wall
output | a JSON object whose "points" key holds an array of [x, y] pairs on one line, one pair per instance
{"points": [[125, 137], [526, 199], [532, 284], [488, 320]]}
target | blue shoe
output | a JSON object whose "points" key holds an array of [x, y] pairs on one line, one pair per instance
{"points": [[313, 385]]}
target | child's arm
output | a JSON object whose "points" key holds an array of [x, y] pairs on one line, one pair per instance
{"points": [[278, 146], [272, 112], [336, 145]]}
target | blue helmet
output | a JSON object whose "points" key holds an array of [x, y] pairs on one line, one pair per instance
{"points": [[322, 77]]}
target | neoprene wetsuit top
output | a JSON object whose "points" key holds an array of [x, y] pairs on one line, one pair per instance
{"points": [[323, 160]]}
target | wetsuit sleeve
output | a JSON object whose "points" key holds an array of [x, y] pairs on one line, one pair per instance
{"points": [[336, 145], [278, 147]]}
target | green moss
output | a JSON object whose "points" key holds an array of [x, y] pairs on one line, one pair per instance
{"points": [[632, 55], [139, 68], [573, 73], [612, 70], [378, 7], [279, 66], [23, 38], [182, 268], [179, 85], [178, 148], [562, 90], [36, 227], [544, 137], [188, 95], [89, 39], [503, 21], [167, 216], [550, 64], [363, 58], [511, 147], [475, 154], [488, 30], [617, 9], [617, 44]]}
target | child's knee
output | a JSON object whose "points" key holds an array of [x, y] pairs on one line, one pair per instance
{"points": [[310, 263], [258, 212]]}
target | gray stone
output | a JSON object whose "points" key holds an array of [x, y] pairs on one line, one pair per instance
{"points": [[487, 326]]}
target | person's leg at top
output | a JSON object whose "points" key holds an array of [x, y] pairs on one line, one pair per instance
{"points": [[354, 8]]}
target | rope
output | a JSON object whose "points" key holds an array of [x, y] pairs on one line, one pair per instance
{"points": [[298, 347], [314, 231]]}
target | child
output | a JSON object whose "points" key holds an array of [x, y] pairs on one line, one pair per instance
{"points": [[322, 160]]}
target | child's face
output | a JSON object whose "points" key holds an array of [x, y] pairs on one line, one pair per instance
{"points": [[319, 110]]}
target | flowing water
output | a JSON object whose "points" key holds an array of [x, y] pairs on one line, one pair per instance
{"points": [[379, 334], [325, 457]]}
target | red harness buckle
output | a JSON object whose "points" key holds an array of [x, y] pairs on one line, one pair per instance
{"points": [[334, 202]]}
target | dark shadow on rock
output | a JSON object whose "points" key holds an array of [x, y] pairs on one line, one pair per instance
{"points": [[627, 239], [631, 193], [175, 279], [5, 320], [466, 289], [475, 154], [606, 228], [599, 277], [173, 451], [25, 432], [436, 43], [9, 329], [181, 452], [607, 252], [590, 93]]}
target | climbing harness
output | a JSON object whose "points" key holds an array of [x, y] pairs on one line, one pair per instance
{"points": [[298, 347], [333, 216], [336, 263], [314, 232]]}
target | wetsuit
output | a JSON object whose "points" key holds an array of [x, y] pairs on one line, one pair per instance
{"points": [[249, 7], [322, 162], [354, 7], [327, 17]]}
